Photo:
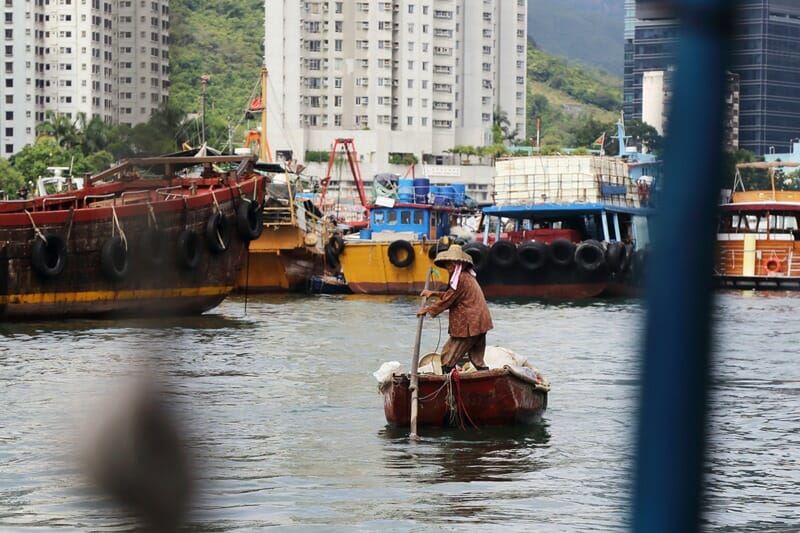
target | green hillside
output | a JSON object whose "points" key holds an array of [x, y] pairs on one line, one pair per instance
{"points": [[573, 100]]}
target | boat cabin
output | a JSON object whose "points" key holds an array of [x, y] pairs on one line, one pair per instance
{"points": [[542, 222], [422, 221]]}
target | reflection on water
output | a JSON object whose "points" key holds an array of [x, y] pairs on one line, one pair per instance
{"points": [[442, 455]]}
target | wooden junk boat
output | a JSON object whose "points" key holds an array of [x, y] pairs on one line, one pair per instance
{"points": [[758, 235], [132, 241], [509, 395]]}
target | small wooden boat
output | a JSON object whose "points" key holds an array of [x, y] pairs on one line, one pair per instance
{"points": [[161, 235], [496, 397]]}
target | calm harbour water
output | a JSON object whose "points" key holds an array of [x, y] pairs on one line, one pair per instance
{"points": [[283, 414]]}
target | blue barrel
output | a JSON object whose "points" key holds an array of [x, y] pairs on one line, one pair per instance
{"points": [[405, 191], [365, 234], [459, 193], [421, 190]]}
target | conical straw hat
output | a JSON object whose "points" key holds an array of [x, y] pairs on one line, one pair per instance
{"points": [[452, 254]]}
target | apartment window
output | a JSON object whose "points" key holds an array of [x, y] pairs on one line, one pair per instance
{"points": [[410, 84], [9, 132], [424, 121], [410, 102], [9, 115], [9, 148], [337, 45], [410, 121], [337, 83], [425, 28], [337, 101], [410, 65], [313, 64], [338, 7], [410, 27], [410, 8], [337, 120], [337, 26]]}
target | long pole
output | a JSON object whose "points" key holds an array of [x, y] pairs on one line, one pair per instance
{"points": [[414, 385]]}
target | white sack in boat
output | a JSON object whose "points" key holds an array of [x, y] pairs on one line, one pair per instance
{"points": [[387, 370]]}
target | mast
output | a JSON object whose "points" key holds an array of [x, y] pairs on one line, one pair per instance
{"points": [[264, 150]]}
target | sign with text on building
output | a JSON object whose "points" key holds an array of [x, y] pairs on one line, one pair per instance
{"points": [[442, 171]]}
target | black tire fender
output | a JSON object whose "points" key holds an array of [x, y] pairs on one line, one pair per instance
{"points": [[532, 255], [436, 248], [562, 252], [249, 220], [114, 259], [590, 256], [218, 233], [48, 258], [503, 253], [188, 250], [479, 253], [616, 256], [401, 253]]}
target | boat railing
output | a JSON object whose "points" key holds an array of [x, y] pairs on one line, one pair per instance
{"points": [[62, 201], [131, 197], [167, 193], [98, 200], [731, 260]]}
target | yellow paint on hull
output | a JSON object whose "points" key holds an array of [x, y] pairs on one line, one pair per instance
{"points": [[111, 296], [367, 269], [279, 260]]}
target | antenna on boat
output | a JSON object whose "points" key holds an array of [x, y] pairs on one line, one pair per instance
{"points": [[204, 80]]}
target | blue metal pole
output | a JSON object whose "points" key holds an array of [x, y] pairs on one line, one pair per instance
{"points": [[673, 409]]}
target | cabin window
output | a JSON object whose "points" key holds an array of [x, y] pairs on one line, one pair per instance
{"points": [[405, 217], [391, 218], [380, 216], [419, 217]]}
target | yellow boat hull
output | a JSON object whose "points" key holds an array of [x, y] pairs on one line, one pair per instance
{"points": [[278, 261], [368, 270]]}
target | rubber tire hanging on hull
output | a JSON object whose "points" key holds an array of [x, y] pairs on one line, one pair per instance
{"points": [[218, 233], [479, 253], [532, 255], [503, 253], [114, 259], [396, 250], [436, 248], [188, 250], [589, 256], [333, 249], [616, 256], [48, 258], [249, 220], [562, 252]]}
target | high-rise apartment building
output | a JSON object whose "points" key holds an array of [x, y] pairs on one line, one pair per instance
{"points": [[765, 61], [402, 76], [106, 59]]}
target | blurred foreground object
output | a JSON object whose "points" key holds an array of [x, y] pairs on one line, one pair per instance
{"points": [[139, 458]]}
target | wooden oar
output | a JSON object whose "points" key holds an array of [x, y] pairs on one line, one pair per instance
{"points": [[414, 385]]}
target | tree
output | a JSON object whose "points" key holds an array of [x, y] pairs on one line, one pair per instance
{"points": [[32, 161], [10, 179], [59, 127], [643, 134]]}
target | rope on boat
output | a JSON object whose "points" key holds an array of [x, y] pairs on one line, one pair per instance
{"points": [[455, 402], [118, 226], [153, 218], [35, 228], [216, 203]]}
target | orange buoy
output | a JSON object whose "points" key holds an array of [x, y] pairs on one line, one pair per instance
{"points": [[772, 265]]}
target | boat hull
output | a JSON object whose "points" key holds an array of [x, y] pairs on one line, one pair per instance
{"points": [[191, 275], [490, 398], [368, 270], [280, 261]]}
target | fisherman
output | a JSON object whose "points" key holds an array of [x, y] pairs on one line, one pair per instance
{"points": [[469, 315]]}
